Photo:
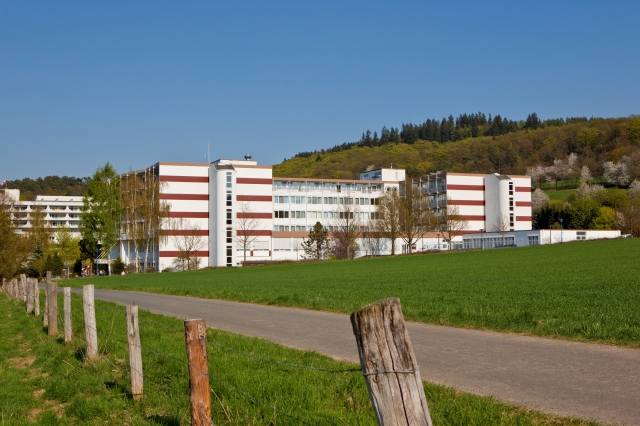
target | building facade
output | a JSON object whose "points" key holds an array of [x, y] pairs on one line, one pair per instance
{"points": [[57, 210], [489, 240], [218, 204]]}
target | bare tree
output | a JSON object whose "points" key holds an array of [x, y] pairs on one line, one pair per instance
{"points": [[346, 229], [415, 215], [389, 214], [247, 223], [373, 237], [453, 224], [187, 239], [501, 226], [143, 213]]}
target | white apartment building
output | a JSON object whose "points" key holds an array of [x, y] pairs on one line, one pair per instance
{"points": [[483, 200], [58, 211], [215, 198]]}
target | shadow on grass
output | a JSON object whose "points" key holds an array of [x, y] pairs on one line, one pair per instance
{"points": [[163, 420]]}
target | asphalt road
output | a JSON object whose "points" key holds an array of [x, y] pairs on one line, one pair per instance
{"points": [[571, 379]]}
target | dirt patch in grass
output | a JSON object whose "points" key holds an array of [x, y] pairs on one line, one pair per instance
{"points": [[21, 363], [38, 393], [36, 373]]}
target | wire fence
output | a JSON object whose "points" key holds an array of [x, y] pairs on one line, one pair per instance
{"points": [[108, 337]]}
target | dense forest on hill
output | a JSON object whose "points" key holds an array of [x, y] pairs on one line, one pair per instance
{"points": [[532, 143], [50, 185]]}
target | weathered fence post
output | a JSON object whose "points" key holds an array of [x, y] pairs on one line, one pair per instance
{"points": [[389, 365], [52, 311], [195, 334], [68, 334], [23, 287], [4, 289], [90, 331], [36, 296], [29, 289], [135, 351]]}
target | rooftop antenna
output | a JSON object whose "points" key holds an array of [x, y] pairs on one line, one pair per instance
{"points": [[208, 154], [392, 165]]}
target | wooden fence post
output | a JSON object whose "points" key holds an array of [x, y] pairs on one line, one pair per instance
{"points": [[90, 331], [52, 312], [4, 289], [135, 351], [389, 365], [68, 333], [36, 296], [195, 335], [23, 287], [29, 290]]}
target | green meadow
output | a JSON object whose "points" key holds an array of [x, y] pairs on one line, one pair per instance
{"points": [[588, 291], [45, 381]]}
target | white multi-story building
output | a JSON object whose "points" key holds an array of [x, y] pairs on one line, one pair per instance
{"points": [[487, 202], [58, 211], [489, 240], [217, 199]]}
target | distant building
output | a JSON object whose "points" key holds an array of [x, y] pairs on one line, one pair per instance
{"points": [[59, 210]]}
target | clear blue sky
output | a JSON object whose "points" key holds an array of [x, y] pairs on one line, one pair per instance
{"points": [[133, 83]]}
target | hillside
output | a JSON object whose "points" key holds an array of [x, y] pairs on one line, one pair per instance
{"points": [[594, 141], [50, 185]]}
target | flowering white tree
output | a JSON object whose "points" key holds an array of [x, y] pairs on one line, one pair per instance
{"points": [[539, 199], [616, 174], [585, 174], [634, 189], [538, 174], [590, 191]]}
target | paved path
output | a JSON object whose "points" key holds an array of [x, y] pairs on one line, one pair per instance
{"points": [[559, 377]]}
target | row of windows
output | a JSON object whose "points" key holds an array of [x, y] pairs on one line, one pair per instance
{"points": [[285, 214], [327, 186], [295, 199]]}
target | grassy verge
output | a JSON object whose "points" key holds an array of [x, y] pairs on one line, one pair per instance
{"points": [[582, 291], [45, 381]]}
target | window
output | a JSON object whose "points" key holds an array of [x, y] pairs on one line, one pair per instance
{"points": [[281, 214], [297, 215], [511, 220], [375, 215], [229, 199], [282, 244], [314, 200], [261, 245], [510, 204], [229, 217], [229, 236], [510, 188], [534, 240], [229, 179]]}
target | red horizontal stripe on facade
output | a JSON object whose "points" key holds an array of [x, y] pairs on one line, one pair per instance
{"points": [[466, 187], [523, 203], [255, 232], [190, 215], [254, 181], [201, 179], [254, 215], [523, 189], [174, 232], [190, 197], [254, 198], [471, 217], [466, 202], [169, 253], [523, 218]]}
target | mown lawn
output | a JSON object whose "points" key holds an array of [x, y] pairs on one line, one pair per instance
{"points": [[45, 381], [583, 291]]}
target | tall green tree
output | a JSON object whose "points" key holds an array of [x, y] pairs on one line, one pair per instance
{"points": [[67, 247], [101, 212]]}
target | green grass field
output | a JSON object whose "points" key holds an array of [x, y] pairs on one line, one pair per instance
{"points": [[582, 291], [45, 381], [560, 194]]}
